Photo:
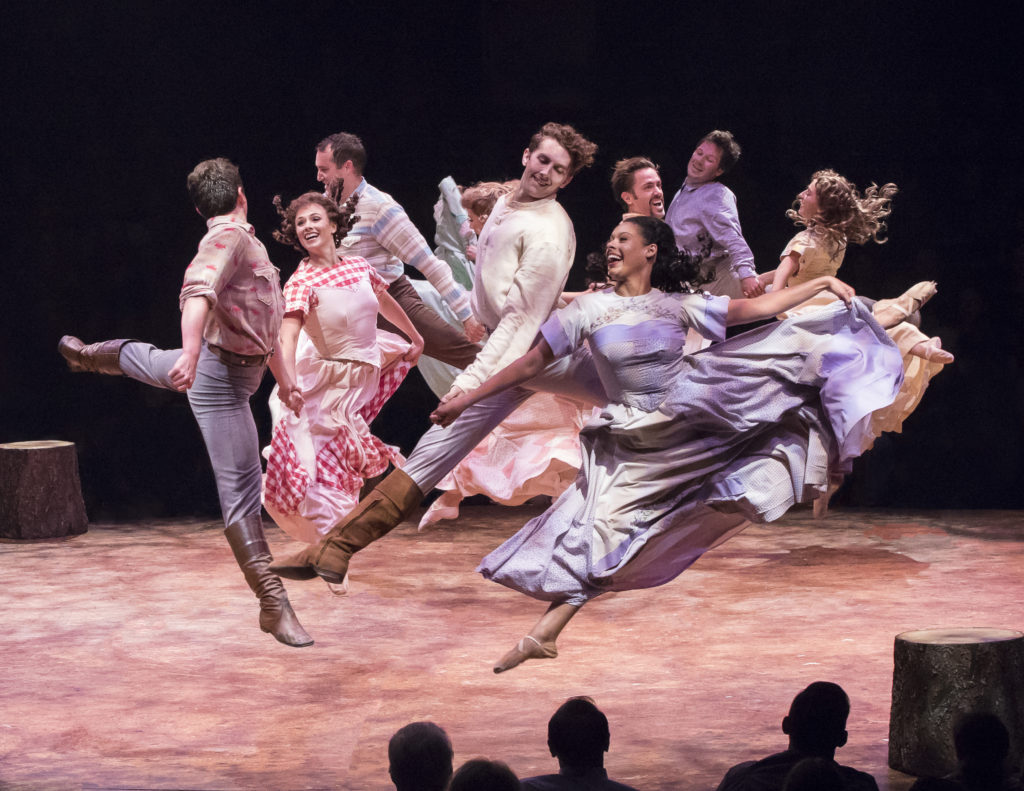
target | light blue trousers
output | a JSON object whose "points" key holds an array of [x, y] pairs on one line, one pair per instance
{"points": [[441, 449], [219, 398]]}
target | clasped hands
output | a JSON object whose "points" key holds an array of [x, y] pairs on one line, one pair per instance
{"points": [[452, 404]]}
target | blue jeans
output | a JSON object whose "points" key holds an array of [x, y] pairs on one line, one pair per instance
{"points": [[219, 399]]}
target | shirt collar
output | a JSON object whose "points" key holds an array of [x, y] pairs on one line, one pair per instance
{"points": [[230, 219], [533, 204]]}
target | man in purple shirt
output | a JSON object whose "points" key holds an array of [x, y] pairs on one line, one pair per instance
{"points": [[704, 210]]}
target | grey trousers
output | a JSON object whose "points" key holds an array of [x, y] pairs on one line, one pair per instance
{"points": [[441, 449], [219, 399]]}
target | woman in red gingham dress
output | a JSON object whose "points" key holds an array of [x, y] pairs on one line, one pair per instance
{"points": [[345, 370]]}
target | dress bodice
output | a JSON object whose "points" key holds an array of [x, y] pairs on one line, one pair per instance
{"points": [[343, 322], [636, 342], [818, 257]]}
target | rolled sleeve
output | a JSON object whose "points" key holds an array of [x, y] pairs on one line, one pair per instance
{"points": [[212, 267]]}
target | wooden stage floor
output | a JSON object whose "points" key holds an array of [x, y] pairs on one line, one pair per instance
{"points": [[131, 656]]}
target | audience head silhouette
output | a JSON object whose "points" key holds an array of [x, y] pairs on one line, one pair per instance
{"points": [[420, 758], [982, 744], [578, 734], [480, 774], [814, 774], [816, 723]]}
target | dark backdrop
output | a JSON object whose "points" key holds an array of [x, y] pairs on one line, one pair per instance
{"points": [[108, 106]]}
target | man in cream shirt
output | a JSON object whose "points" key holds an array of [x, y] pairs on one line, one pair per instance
{"points": [[526, 250]]}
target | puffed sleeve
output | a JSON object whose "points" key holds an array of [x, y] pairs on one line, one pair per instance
{"points": [[705, 313], [566, 328], [297, 294]]}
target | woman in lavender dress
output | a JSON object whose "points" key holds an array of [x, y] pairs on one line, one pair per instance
{"points": [[691, 448]]}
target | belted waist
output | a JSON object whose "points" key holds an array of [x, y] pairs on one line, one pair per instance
{"points": [[244, 360]]}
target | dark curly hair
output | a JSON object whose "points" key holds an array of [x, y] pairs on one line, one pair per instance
{"points": [[344, 218], [674, 270]]}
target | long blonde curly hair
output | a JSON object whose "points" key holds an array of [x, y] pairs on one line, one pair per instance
{"points": [[844, 215]]}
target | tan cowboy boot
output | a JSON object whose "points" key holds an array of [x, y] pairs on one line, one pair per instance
{"points": [[101, 358], [249, 544], [386, 507]]}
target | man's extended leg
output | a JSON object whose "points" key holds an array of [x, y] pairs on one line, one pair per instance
{"points": [[435, 455], [219, 399]]}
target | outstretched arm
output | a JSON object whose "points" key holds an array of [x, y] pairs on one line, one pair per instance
{"points": [[744, 311], [526, 367]]}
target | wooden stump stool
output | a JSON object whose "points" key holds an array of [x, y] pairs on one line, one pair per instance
{"points": [[40, 494], [941, 674]]}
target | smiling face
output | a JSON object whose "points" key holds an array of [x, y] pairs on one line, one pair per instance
{"points": [[546, 170], [314, 229], [808, 202], [646, 197], [627, 254], [705, 164]]}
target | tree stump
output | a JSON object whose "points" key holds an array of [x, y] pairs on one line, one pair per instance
{"points": [[941, 674], [40, 493]]}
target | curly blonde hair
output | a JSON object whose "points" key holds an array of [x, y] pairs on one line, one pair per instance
{"points": [[844, 215], [344, 218]]}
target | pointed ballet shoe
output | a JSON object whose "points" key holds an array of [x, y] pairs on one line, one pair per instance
{"points": [[932, 351], [527, 648], [820, 505], [890, 312]]}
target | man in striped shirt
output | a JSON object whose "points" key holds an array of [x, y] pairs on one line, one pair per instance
{"points": [[385, 236]]}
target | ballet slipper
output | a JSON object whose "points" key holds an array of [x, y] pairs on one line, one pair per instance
{"points": [[890, 312], [932, 351], [820, 505], [527, 648]]}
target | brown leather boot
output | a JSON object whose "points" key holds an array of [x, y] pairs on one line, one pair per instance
{"points": [[101, 358], [252, 553], [386, 507]]}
